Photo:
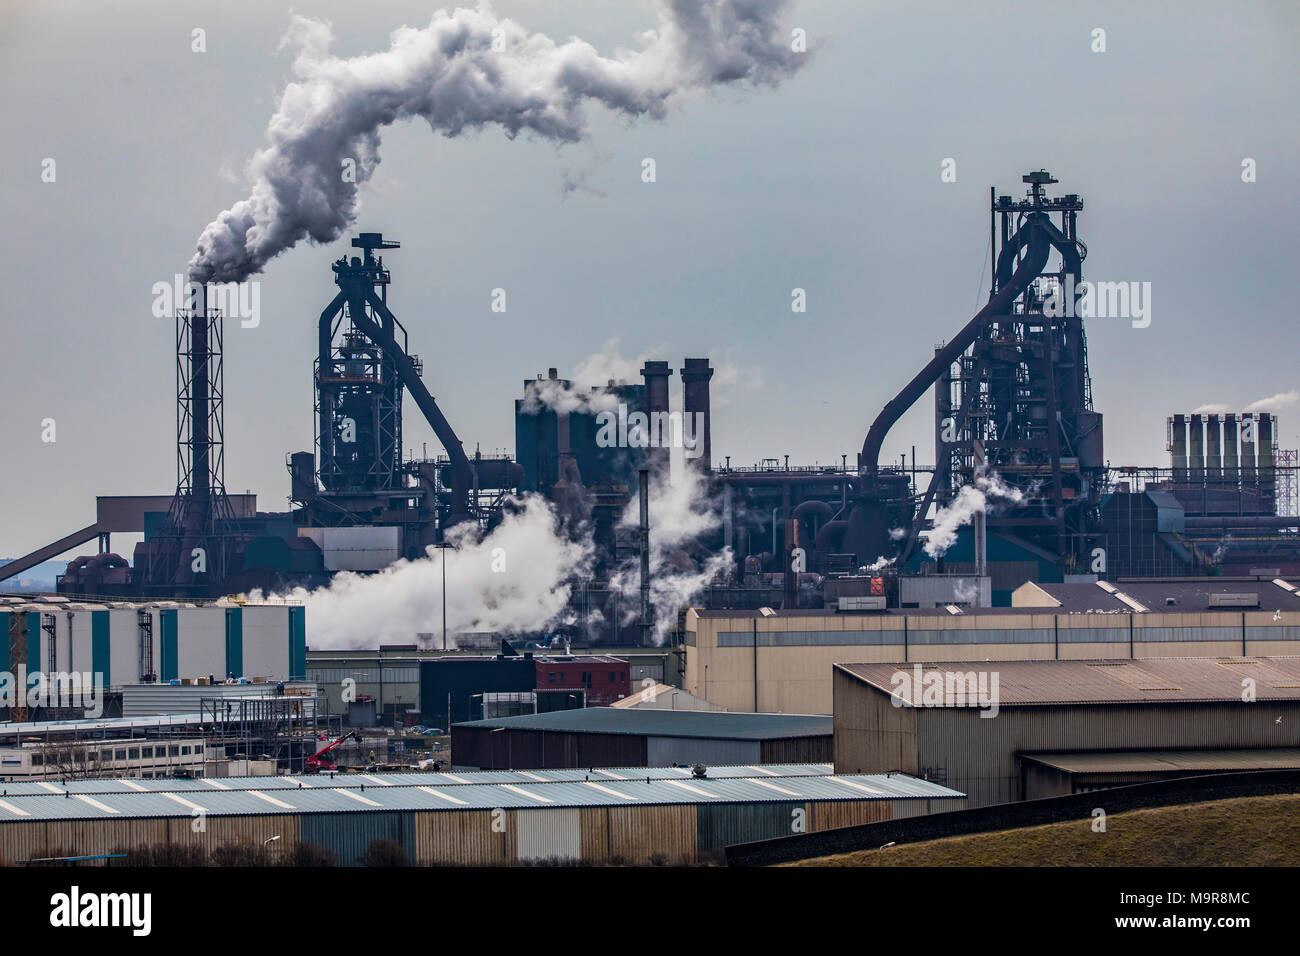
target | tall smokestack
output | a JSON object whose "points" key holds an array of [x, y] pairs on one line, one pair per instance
{"points": [[695, 409], [1248, 429], [656, 406], [1230, 473], [1213, 454], [1178, 446], [643, 533], [194, 485], [1267, 488], [1196, 450]]}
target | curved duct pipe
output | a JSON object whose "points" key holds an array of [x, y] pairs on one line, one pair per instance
{"points": [[831, 536], [1039, 242], [866, 535], [811, 515]]}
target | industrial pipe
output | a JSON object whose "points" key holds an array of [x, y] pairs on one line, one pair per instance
{"points": [[1040, 236]]}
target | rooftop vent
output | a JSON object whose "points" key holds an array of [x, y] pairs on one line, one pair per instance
{"points": [[1235, 599]]}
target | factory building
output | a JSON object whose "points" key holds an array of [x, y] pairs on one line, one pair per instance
{"points": [[454, 689], [664, 815], [1042, 728], [392, 677], [633, 737], [222, 731], [124, 643], [780, 661]]}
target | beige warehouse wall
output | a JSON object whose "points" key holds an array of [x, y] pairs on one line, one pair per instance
{"points": [[797, 679]]}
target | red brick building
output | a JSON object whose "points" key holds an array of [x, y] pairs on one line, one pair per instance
{"points": [[603, 679]]}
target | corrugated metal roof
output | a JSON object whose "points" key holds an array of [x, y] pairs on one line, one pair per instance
{"points": [[356, 781], [557, 795], [94, 724], [1147, 680], [1075, 598], [1144, 761], [1188, 596], [717, 725]]}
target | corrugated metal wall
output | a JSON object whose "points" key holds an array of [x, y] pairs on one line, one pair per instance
{"points": [[465, 837], [548, 835], [538, 750], [799, 750], [648, 834], [675, 751], [34, 840], [349, 835], [719, 825], [671, 834]]}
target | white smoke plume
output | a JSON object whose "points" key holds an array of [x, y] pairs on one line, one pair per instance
{"points": [[679, 513], [467, 70], [965, 591], [592, 375], [972, 499], [516, 579], [1214, 408], [560, 396], [1273, 403]]}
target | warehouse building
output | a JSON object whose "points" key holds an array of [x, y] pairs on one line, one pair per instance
{"points": [[635, 737], [454, 689], [780, 661], [1062, 726], [129, 643], [664, 815], [394, 676]]}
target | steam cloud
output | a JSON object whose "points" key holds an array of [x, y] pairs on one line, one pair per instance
{"points": [[971, 500], [449, 74], [529, 592], [679, 513], [565, 399], [1275, 402]]}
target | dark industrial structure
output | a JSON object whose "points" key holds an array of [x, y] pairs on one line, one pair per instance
{"points": [[612, 737], [1014, 419], [454, 689]]}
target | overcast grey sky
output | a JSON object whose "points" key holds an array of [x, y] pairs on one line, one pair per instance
{"points": [[830, 183]]}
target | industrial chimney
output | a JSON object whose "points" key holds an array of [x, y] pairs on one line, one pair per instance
{"points": [[1267, 486], [1178, 446], [1213, 454], [1230, 473], [1196, 447], [695, 408], [656, 406], [643, 535], [1248, 430]]}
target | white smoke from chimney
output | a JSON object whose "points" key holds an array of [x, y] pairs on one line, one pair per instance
{"points": [[971, 500], [1275, 402], [466, 70], [680, 512], [561, 397], [516, 579]]}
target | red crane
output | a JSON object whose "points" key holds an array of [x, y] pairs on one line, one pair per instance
{"points": [[321, 761]]}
